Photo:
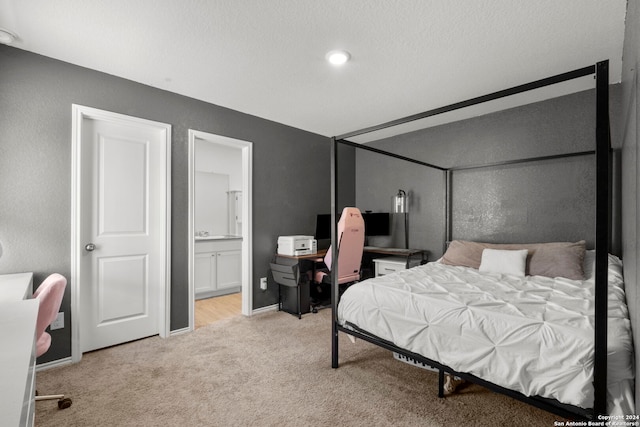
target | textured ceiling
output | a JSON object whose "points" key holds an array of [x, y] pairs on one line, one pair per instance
{"points": [[266, 57]]}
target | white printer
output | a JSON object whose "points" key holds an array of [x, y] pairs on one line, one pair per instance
{"points": [[297, 245]]}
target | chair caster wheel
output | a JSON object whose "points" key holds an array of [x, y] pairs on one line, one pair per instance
{"points": [[314, 310], [64, 403]]}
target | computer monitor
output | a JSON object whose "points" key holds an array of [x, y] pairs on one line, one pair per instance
{"points": [[376, 223], [323, 227]]}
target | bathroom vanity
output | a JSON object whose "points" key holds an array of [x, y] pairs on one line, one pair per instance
{"points": [[218, 265]]}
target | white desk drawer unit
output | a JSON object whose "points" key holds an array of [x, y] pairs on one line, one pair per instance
{"points": [[18, 315], [388, 265]]}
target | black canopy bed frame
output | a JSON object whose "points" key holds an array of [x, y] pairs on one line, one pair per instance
{"points": [[602, 155]]}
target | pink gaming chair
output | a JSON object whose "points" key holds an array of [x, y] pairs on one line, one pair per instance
{"points": [[350, 248], [49, 294]]}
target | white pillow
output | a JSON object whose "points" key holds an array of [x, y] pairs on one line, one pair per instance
{"points": [[500, 261]]}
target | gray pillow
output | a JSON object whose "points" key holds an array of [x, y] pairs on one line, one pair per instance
{"points": [[555, 259]]}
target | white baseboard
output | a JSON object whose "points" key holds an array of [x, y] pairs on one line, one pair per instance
{"points": [[68, 361], [180, 331], [54, 364], [273, 307], [268, 308]]}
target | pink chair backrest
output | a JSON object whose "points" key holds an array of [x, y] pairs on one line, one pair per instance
{"points": [[50, 294], [350, 245]]}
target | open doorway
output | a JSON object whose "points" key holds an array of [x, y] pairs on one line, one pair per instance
{"points": [[219, 227]]}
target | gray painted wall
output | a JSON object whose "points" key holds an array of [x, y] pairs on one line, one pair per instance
{"points": [[630, 170], [378, 179], [290, 175], [346, 177], [536, 202]]}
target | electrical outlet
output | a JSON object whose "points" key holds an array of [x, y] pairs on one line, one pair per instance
{"points": [[58, 323], [263, 283]]}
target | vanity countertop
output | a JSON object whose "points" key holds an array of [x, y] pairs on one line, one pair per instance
{"points": [[217, 237]]}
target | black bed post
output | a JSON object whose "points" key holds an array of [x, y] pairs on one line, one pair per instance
{"points": [[448, 214], [603, 152], [602, 238], [334, 254]]}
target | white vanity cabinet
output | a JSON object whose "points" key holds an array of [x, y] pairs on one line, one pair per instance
{"points": [[218, 267]]}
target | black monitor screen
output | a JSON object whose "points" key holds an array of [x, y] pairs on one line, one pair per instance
{"points": [[376, 223], [323, 226]]}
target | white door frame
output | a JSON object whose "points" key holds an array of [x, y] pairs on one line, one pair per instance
{"points": [[247, 223], [79, 114]]}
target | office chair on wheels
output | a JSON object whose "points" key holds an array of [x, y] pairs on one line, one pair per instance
{"points": [[350, 248], [49, 294]]}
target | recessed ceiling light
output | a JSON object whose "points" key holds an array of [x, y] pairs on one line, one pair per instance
{"points": [[6, 37], [338, 57]]}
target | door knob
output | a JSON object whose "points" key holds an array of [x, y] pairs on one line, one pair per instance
{"points": [[89, 247]]}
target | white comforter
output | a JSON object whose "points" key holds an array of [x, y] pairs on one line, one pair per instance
{"points": [[533, 334]]}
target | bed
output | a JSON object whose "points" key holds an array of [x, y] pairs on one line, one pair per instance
{"points": [[532, 334], [481, 312]]}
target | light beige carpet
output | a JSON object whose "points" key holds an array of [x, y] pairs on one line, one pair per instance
{"points": [[267, 370]]}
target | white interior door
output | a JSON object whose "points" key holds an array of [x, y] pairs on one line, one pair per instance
{"points": [[123, 230]]}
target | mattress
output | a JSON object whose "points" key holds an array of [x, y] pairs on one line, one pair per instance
{"points": [[533, 334]]}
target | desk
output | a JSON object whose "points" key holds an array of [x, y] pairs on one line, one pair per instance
{"points": [[18, 318], [15, 287], [293, 274], [317, 257], [376, 250]]}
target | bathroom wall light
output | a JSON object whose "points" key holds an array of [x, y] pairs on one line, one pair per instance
{"points": [[6, 36], [338, 57]]}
